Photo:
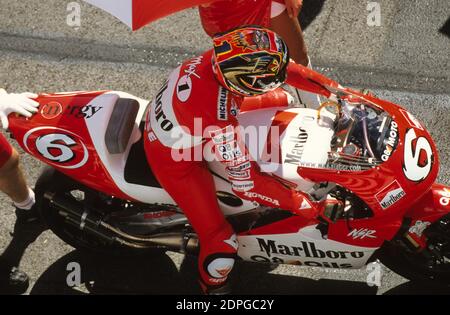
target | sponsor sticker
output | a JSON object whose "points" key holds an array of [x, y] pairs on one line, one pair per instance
{"points": [[184, 84], [237, 161], [445, 199], [262, 197], [191, 67], [229, 151], [391, 142], [304, 249], [161, 118], [243, 185], [51, 110], [297, 147], [240, 167], [87, 111], [223, 135], [362, 233], [184, 88], [222, 102], [238, 174], [390, 195], [419, 227]]}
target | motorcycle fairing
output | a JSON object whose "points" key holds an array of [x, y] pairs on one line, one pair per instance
{"points": [[306, 247], [57, 116], [390, 187]]}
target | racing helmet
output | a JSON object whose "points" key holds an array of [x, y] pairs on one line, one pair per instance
{"points": [[250, 60]]}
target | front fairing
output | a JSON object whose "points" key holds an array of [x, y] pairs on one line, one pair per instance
{"points": [[402, 170]]}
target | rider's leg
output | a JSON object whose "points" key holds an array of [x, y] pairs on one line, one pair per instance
{"points": [[192, 187], [13, 184]]}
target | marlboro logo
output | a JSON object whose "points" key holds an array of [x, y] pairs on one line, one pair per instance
{"points": [[390, 195]]}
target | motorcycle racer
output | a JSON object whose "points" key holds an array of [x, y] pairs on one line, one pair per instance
{"points": [[248, 61]]}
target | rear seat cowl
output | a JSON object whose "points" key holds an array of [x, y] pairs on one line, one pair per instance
{"points": [[120, 125]]}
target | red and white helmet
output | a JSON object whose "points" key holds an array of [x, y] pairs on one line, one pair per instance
{"points": [[250, 60]]}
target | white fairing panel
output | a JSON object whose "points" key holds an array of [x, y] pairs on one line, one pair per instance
{"points": [[115, 163], [305, 248], [303, 142]]}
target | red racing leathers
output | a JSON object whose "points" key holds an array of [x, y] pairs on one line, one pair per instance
{"points": [[190, 112], [223, 15]]}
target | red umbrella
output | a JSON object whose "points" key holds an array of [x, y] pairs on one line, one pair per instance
{"points": [[138, 13]]}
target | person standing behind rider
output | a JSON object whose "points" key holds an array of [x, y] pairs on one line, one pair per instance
{"points": [[281, 16], [248, 61], [13, 183]]}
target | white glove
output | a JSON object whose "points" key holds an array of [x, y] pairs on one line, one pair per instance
{"points": [[16, 103]]}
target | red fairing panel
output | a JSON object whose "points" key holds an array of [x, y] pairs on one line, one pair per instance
{"points": [[430, 208], [394, 185], [58, 136]]}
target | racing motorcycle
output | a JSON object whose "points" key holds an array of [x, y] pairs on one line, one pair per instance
{"points": [[99, 194]]}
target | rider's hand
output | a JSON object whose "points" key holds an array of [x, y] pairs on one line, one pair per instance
{"points": [[16, 103], [293, 7]]}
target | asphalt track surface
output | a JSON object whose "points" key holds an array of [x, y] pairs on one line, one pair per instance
{"points": [[405, 60]]}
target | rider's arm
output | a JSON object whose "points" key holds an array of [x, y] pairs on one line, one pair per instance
{"points": [[249, 182], [276, 98], [16, 103], [306, 79]]}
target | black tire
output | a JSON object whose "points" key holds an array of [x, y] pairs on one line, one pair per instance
{"points": [[411, 266], [55, 182]]}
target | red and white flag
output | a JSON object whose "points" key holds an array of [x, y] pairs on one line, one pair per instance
{"points": [[138, 13]]}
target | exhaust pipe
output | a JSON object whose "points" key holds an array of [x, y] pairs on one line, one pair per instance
{"points": [[86, 220]]}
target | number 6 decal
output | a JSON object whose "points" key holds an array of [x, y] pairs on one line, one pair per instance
{"points": [[417, 166]]}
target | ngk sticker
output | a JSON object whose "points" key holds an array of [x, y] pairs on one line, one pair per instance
{"points": [[390, 195]]}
